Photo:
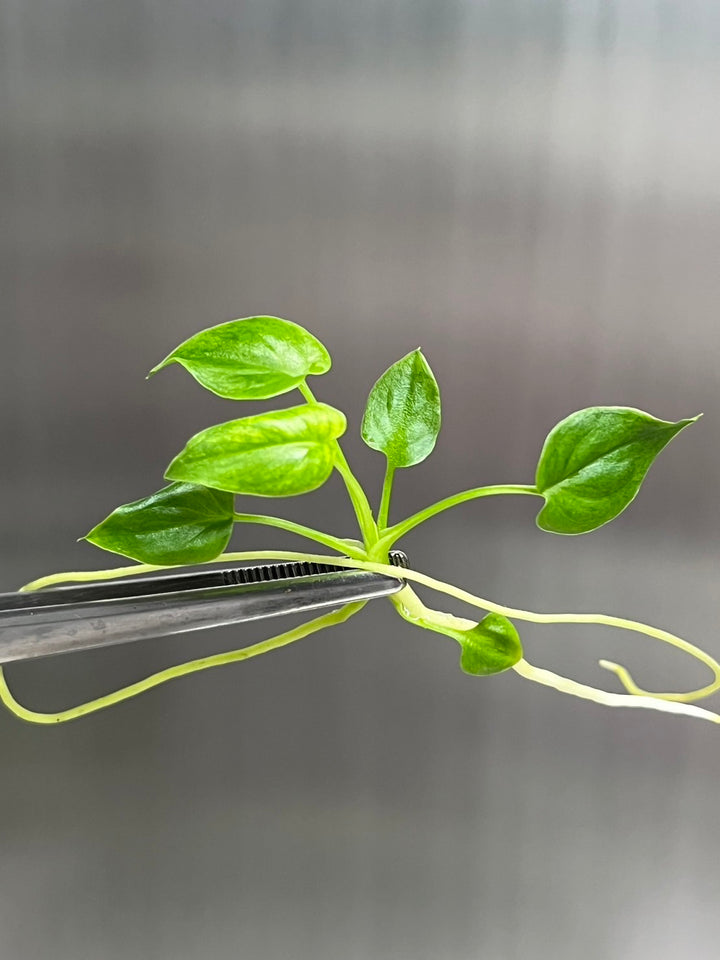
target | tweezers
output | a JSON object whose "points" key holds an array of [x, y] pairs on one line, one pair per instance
{"points": [[72, 619]]}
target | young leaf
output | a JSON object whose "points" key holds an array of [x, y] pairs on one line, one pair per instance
{"points": [[275, 454], [182, 523], [402, 415], [251, 359], [492, 646], [593, 462]]}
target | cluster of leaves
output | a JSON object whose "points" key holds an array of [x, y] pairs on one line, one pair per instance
{"points": [[590, 469]]}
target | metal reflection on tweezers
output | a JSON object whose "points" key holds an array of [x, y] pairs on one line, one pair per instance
{"points": [[69, 619]]}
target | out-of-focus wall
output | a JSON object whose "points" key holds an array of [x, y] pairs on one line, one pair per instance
{"points": [[528, 190]]}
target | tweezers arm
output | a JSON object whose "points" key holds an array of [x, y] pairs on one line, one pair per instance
{"points": [[39, 631]]}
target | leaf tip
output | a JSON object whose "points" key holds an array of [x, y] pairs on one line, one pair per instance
{"points": [[682, 424], [158, 367]]}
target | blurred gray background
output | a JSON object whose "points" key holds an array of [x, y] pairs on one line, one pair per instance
{"points": [[528, 190]]}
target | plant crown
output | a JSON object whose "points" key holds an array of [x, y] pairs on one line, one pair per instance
{"points": [[590, 469]]}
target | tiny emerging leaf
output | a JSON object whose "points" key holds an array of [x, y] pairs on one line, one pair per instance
{"points": [[275, 454], [491, 646], [402, 415], [182, 523], [593, 463], [251, 359]]}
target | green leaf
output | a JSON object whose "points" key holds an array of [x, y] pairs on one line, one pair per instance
{"points": [[593, 463], [402, 415], [251, 359], [491, 646], [275, 454], [182, 523]]}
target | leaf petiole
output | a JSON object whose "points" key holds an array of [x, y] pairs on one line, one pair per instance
{"points": [[386, 494], [530, 616], [358, 498], [392, 534], [585, 692], [415, 611], [347, 547], [600, 619]]}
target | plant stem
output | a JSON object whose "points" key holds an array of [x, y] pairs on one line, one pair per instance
{"points": [[181, 670], [565, 685], [334, 543], [358, 498], [415, 609], [89, 576], [385, 499], [412, 609], [423, 579], [599, 619], [400, 529], [360, 502], [513, 613]]}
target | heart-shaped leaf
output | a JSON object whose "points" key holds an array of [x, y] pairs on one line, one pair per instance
{"points": [[275, 454], [402, 414], [489, 647], [251, 359], [593, 463], [182, 523], [493, 645]]}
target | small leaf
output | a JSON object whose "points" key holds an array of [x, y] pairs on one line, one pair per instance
{"points": [[593, 463], [275, 454], [182, 523], [251, 359], [490, 646], [402, 415]]}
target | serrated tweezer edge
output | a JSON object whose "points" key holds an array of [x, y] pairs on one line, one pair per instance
{"points": [[75, 618]]}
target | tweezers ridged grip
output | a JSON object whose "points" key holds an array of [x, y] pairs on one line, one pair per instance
{"points": [[67, 619]]}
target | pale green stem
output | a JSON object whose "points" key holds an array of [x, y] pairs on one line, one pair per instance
{"points": [[173, 673], [528, 615], [565, 685], [334, 543], [392, 534], [411, 608], [661, 701], [82, 576], [358, 498], [385, 499], [409, 605], [589, 618], [423, 579]]}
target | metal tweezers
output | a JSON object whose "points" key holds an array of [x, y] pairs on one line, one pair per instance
{"points": [[72, 619]]}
